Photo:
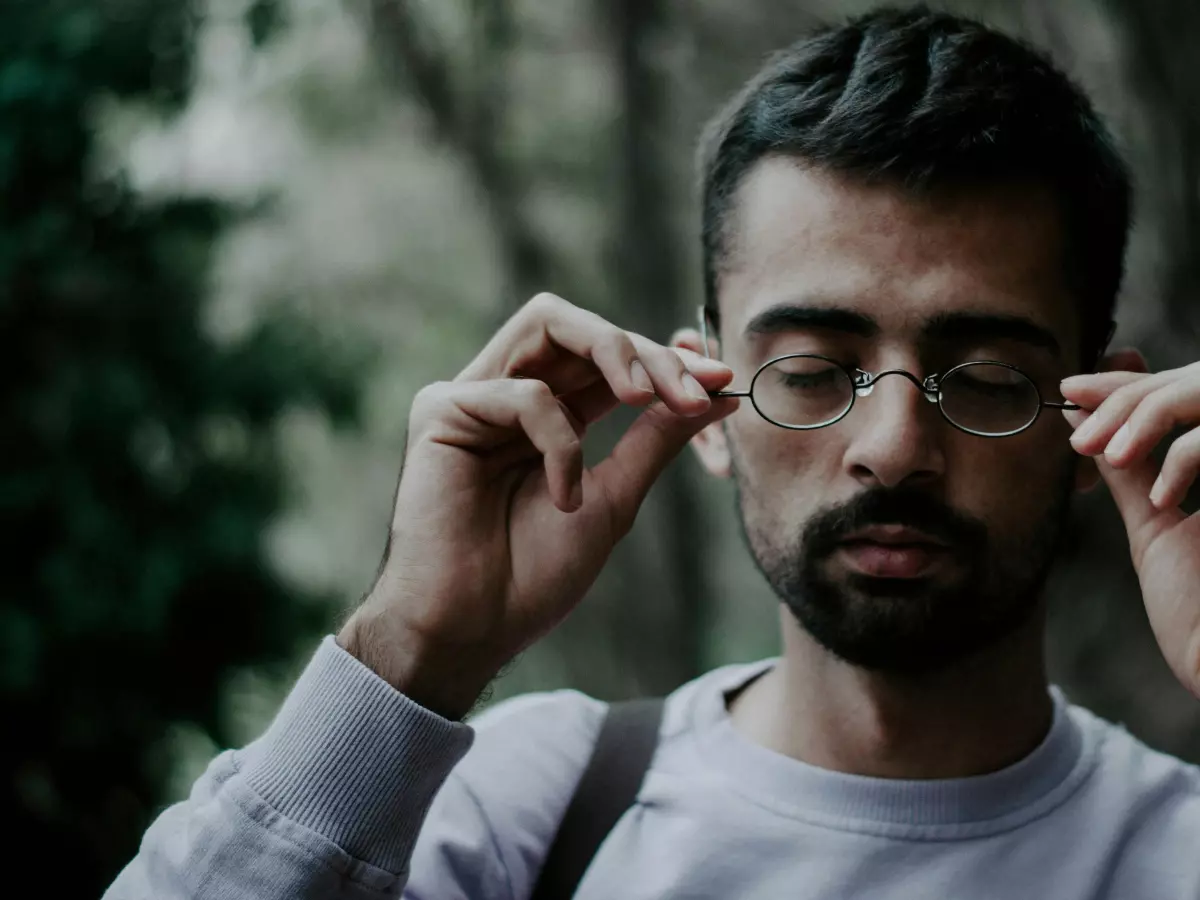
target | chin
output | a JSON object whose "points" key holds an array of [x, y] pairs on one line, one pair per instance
{"points": [[905, 626]]}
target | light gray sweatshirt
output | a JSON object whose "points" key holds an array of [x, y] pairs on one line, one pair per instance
{"points": [[355, 791]]}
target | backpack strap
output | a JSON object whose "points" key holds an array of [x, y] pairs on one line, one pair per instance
{"points": [[608, 788]]}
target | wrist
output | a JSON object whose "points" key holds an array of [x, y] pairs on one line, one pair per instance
{"points": [[445, 680]]}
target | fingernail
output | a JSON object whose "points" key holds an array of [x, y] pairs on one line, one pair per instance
{"points": [[1075, 417], [1084, 432], [577, 494], [693, 388], [1157, 491], [641, 381], [1119, 442], [1072, 380]]}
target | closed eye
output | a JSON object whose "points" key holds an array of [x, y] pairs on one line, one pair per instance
{"points": [[802, 380]]}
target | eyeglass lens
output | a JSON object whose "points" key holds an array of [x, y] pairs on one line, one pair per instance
{"points": [[811, 392]]}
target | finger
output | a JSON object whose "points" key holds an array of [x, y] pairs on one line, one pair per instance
{"points": [[1130, 488], [1179, 470], [1093, 437], [1089, 391], [657, 436], [1076, 417], [545, 339], [713, 374], [1152, 419], [592, 403], [483, 414], [673, 383], [705, 369]]}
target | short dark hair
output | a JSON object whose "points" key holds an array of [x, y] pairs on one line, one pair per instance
{"points": [[928, 99]]}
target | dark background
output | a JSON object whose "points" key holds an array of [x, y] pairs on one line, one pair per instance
{"points": [[239, 235]]}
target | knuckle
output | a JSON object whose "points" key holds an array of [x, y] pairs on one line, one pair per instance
{"points": [[676, 360], [533, 391], [429, 406], [615, 343], [431, 397], [544, 304], [663, 359]]}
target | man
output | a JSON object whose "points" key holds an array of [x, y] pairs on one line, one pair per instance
{"points": [[913, 233]]}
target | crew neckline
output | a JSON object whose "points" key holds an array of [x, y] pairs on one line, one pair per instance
{"points": [[951, 808]]}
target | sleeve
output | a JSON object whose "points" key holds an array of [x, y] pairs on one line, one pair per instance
{"points": [[327, 803]]}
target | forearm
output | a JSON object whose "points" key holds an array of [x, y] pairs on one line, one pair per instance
{"points": [[328, 803]]}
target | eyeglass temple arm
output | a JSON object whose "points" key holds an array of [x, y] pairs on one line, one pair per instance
{"points": [[1061, 405]]}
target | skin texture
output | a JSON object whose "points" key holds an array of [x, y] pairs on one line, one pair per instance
{"points": [[882, 680]]}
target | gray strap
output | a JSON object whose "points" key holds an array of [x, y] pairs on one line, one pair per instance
{"points": [[608, 787]]}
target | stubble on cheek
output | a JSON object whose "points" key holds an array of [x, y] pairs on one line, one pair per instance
{"points": [[776, 492], [1022, 493]]}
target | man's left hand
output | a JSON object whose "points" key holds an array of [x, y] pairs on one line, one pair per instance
{"points": [[1131, 413]]}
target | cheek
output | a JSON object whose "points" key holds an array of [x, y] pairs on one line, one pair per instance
{"points": [[1008, 482], [783, 475]]}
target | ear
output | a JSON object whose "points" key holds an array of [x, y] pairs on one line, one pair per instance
{"points": [[1127, 359], [711, 444]]}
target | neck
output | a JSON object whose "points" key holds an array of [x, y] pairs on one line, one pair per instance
{"points": [[981, 715]]}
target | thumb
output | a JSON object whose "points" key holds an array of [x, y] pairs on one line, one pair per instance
{"points": [[652, 441], [1130, 488]]}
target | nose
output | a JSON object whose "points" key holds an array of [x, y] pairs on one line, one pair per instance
{"points": [[895, 434]]}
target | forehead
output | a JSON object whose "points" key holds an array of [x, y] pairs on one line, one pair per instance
{"points": [[806, 235]]}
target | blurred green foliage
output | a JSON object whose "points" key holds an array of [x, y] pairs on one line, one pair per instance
{"points": [[139, 462]]}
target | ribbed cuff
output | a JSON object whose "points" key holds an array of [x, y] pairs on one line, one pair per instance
{"points": [[354, 760]]}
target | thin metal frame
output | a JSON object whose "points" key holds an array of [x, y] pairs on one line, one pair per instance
{"points": [[863, 382]]}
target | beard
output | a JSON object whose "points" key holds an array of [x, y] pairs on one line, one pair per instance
{"points": [[908, 626]]}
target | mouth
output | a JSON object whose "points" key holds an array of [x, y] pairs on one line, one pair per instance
{"points": [[894, 551]]}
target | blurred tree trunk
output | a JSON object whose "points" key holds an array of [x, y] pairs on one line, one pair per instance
{"points": [[658, 636], [1161, 39], [646, 274], [469, 120]]}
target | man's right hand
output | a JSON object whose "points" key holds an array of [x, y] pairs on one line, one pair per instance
{"points": [[498, 530]]}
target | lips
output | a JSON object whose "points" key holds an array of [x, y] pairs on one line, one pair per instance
{"points": [[893, 551], [893, 534]]}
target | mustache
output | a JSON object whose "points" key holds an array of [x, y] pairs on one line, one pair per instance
{"points": [[910, 507]]}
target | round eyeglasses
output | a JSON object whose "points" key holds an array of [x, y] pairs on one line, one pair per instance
{"points": [[804, 391]]}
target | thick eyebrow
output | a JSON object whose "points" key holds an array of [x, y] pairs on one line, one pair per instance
{"points": [[789, 317], [968, 326], [949, 326]]}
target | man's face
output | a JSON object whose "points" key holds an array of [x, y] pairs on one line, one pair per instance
{"points": [[928, 281]]}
